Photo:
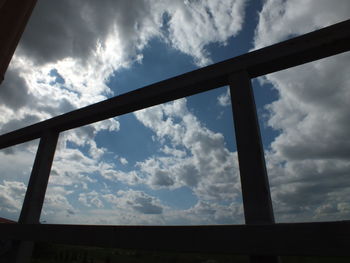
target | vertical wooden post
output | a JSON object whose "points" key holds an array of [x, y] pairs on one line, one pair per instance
{"points": [[14, 15], [255, 186], [35, 194]]}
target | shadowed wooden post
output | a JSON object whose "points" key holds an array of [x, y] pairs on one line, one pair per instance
{"points": [[35, 194], [255, 185], [14, 15]]}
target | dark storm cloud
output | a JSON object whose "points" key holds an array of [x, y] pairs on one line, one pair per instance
{"points": [[14, 90], [60, 29]]}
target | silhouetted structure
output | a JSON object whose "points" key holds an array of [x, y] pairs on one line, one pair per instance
{"points": [[260, 237]]}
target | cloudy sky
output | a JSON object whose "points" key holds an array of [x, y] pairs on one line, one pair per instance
{"points": [[175, 163]]}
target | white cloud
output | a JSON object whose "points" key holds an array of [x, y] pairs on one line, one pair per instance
{"points": [[23, 156], [12, 196], [141, 202], [111, 172], [134, 207], [123, 161], [173, 151], [194, 24], [225, 98], [309, 161], [206, 213], [135, 200], [129, 207], [206, 165], [96, 152], [281, 19], [56, 203], [73, 161], [91, 199]]}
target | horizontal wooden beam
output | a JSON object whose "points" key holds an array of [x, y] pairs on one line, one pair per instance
{"points": [[325, 42], [323, 239]]}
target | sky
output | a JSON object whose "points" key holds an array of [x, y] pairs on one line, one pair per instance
{"points": [[175, 163]]}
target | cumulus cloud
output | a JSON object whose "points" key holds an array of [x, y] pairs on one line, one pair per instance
{"points": [[194, 24], [208, 212], [111, 172], [308, 161], [90, 199], [225, 98], [123, 161], [137, 201], [56, 204], [206, 165], [281, 19], [23, 156], [72, 161], [11, 196]]}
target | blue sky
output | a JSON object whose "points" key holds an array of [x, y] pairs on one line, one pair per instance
{"points": [[175, 163]]}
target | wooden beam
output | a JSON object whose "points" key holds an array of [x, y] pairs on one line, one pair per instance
{"points": [[35, 194], [254, 181], [322, 239], [257, 202], [325, 42]]}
